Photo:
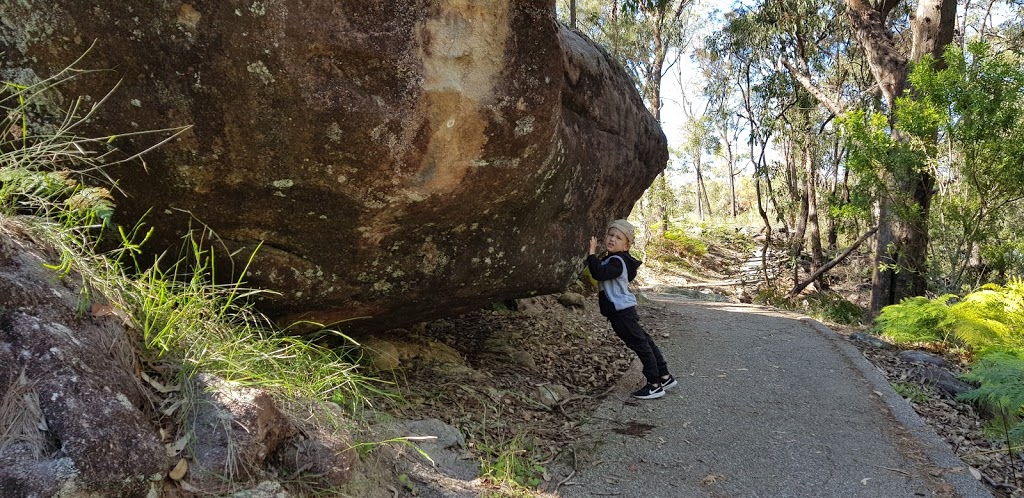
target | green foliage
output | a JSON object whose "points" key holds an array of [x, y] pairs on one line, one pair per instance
{"points": [[990, 321], [918, 319], [834, 308], [992, 318], [826, 306], [876, 154], [978, 103], [675, 247], [1001, 379], [213, 328], [910, 391], [1001, 376], [771, 296], [1004, 255], [509, 466], [975, 105], [645, 36], [52, 187]]}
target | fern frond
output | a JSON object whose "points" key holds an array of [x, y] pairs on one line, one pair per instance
{"points": [[918, 319], [979, 332], [991, 315], [1001, 376], [1017, 433]]}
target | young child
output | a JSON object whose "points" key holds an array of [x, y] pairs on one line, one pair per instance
{"points": [[618, 304]]}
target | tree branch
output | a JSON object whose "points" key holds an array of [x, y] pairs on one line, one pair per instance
{"points": [[828, 266], [805, 81]]}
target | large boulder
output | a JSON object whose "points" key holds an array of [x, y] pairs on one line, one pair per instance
{"points": [[397, 160]]}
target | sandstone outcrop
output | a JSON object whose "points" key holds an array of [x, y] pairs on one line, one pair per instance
{"points": [[77, 418], [400, 161], [72, 411]]}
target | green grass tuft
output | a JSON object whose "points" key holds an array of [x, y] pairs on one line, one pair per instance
{"points": [[508, 466]]}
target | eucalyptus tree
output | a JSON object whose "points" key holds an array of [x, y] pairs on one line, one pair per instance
{"points": [[723, 109], [763, 98], [794, 28], [798, 49], [902, 241], [699, 139], [975, 106]]}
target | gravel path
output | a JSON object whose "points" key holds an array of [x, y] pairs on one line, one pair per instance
{"points": [[769, 405]]}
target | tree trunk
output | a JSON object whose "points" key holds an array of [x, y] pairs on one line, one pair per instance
{"points": [[572, 14], [901, 244], [732, 179], [702, 192], [615, 29], [813, 230], [767, 227], [888, 64], [882, 276], [663, 199], [796, 241], [839, 192]]}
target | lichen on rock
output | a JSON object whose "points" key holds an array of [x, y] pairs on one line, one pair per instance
{"points": [[334, 133]]}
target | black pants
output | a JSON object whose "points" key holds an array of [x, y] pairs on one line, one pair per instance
{"points": [[626, 324]]}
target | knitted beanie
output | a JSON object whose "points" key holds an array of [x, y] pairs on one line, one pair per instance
{"points": [[625, 227]]}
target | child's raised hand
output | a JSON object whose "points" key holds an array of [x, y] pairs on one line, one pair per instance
{"points": [[593, 245]]}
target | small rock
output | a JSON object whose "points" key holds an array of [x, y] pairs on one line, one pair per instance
{"points": [[448, 437], [870, 340], [943, 380], [550, 395], [924, 357], [743, 296], [383, 355], [439, 352], [572, 300], [523, 358], [325, 458], [447, 451], [531, 305], [235, 429]]}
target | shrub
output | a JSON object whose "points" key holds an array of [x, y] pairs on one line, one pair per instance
{"points": [[990, 322], [676, 247], [917, 319], [510, 466], [1001, 379], [835, 308]]}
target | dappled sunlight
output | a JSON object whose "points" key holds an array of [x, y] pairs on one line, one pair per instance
{"points": [[748, 309]]}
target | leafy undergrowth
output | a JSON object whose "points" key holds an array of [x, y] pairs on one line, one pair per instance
{"points": [[969, 432], [985, 328]]}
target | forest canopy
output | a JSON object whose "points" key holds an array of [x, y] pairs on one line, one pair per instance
{"points": [[830, 119]]}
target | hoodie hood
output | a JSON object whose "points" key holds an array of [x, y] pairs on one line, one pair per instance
{"points": [[632, 264]]}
